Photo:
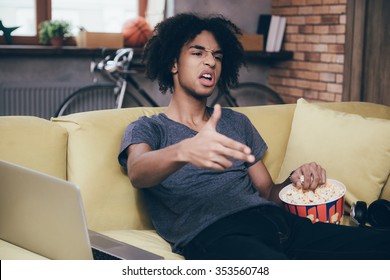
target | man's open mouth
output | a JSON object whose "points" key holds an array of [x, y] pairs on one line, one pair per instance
{"points": [[207, 76], [207, 79]]}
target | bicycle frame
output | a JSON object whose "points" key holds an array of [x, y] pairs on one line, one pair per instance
{"points": [[231, 101], [141, 91]]}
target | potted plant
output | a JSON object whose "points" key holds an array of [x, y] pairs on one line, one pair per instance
{"points": [[54, 32]]}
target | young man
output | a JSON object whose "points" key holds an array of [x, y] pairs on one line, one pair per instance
{"points": [[207, 190]]}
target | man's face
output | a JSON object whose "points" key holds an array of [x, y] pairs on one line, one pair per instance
{"points": [[199, 66]]}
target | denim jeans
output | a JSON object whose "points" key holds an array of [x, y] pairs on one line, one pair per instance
{"points": [[269, 232]]}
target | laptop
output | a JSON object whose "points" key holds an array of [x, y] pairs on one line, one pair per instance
{"points": [[45, 215]]}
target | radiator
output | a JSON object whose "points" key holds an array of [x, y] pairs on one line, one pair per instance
{"points": [[33, 99]]}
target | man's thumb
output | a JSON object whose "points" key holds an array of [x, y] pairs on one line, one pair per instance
{"points": [[216, 116]]}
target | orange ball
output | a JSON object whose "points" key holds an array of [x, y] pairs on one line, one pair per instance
{"points": [[136, 32]]}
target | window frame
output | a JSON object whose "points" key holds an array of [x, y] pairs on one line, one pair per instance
{"points": [[43, 12]]}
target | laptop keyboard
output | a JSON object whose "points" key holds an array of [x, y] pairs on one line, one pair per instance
{"points": [[99, 255]]}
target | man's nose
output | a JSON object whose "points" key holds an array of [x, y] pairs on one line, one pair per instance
{"points": [[209, 59]]}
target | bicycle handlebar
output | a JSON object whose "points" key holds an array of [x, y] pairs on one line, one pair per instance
{"points": [[117, 63], [115, 66]]}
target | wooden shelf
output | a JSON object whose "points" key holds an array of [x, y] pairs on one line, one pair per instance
{"points": [[269, 56]]}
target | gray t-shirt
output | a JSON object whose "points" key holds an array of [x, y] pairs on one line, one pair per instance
{"points": [[192, 198]]}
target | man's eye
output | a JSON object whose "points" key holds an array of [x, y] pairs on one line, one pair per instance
{"points": [[197, 53], [219, 58]]}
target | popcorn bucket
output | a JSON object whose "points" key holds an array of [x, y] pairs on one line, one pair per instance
{"points": [[326, 205]]}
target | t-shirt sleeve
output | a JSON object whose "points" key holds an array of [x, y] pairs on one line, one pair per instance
{"points": [[254, 141], [144, 130]]}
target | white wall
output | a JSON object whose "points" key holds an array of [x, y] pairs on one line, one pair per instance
{"points": [[244, 13]]}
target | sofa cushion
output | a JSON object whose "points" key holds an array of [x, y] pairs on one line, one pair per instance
{"points": [[34, 143], [110, 201], [146, 239], [353, 149]]}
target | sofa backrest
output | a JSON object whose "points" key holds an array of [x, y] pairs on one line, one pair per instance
{"points": [[274, 124], [34, 143], [112, 203]]}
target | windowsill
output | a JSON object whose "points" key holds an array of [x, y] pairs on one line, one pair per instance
{"points": [[38, 50]]}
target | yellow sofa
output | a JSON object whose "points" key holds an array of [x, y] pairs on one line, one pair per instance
{"points": [[83, 148]]}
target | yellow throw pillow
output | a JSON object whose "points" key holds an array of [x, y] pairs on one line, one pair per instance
{"points": [[353, 149]]}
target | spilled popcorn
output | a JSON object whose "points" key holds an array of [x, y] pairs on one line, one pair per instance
{"points": [[322, 194]]}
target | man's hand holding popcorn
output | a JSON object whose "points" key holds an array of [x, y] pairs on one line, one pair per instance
{"points": [[308, 176]]}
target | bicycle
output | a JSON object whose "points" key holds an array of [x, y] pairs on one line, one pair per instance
{"points": [[117, 67]]}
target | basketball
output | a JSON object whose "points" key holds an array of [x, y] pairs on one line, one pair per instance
{"points": [[136, 32]]}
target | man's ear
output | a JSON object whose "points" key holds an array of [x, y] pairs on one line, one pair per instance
{"points": [[174, 67]]}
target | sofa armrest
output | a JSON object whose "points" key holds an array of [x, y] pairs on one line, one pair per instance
{"points": [[9, 251]]}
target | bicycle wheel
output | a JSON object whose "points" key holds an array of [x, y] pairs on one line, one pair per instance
{"points": [[250, 94], [89, 98]]}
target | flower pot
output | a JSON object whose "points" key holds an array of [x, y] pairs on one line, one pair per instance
{"points": [[57, 42]]}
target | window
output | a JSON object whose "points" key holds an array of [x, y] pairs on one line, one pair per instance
{"points": [[19, 13], [93, 15]]}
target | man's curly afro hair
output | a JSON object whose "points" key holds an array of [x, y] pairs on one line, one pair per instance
{"points": [[169, 36]]}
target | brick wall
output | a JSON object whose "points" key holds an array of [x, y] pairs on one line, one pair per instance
{"points": [[315, 32]]}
